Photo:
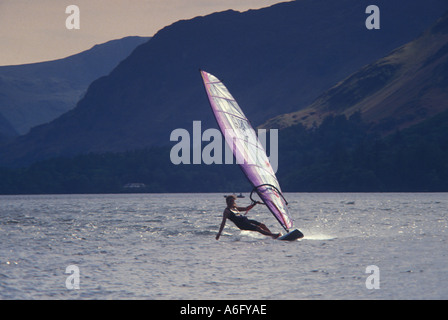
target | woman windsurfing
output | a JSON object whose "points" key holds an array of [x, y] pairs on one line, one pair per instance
{"points": [[233, 213]]}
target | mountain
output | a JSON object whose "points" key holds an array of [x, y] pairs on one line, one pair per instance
{"points": [[37, 93], [404, 88], [274, 60], [6, 130], [338, 156]]}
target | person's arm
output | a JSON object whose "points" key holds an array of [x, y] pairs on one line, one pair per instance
{"points": [[223, 223], [246, 208]]}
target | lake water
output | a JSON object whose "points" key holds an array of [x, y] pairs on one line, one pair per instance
{"points": [[162, 246]]}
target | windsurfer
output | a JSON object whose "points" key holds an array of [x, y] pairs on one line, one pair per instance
{"points": [[233, 213]]}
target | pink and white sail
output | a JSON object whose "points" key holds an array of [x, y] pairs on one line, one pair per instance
{"points": [[246, 147]]}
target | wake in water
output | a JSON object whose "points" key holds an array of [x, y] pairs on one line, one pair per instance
{"points": [[317, 236], [252, 234], [308, 235]]}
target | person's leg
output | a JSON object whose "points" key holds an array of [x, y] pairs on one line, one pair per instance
{"points": [[261, 228], [268, 233]]}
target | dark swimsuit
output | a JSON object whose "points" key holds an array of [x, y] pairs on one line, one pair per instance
{"points": [[242, 222]]}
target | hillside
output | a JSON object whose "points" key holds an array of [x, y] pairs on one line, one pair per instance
{"points": [[338, 156], [6, 130], [404, 88], [274, 60], [33, 94]]}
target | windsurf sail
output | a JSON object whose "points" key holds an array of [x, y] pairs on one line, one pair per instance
{"points": [[247, 149]]}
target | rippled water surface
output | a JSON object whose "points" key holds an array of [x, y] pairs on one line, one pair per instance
{"points": [[162, 246]]}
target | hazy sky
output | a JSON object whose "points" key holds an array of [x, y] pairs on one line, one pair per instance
{"points": [[35, 30]]}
